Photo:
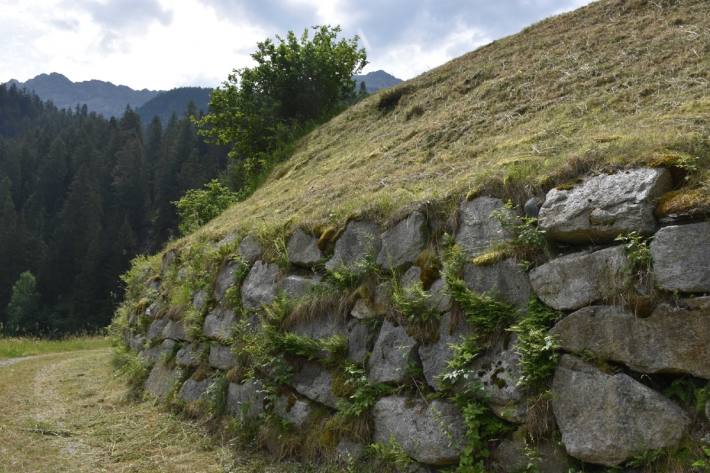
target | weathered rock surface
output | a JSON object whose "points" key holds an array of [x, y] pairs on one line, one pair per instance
{"points": [[670, 340], [192, 390], [155, 329], [175, 330], [221, 357], [160, 380], [358, 340], [190, 355], [510, 456], [294, 411], [260, 286], [606, 419], [320, 327], [363, 310], [429, 433], [579, 279], [246, 400], [349, 450], [314, 382], [199, 300], [505, 279], [404, 242], [359, 240], [296, 286], [250, 249], [681, 257], [225, 279], [440, 299], [219, 324], [498, 372], [605, 206], [169, 259], [435, 356], [477, 230], [135, 342], [303, 248], [156, 352], [393, 351]]}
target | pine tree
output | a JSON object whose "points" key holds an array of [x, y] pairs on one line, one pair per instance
{"points": [[24, 314]]}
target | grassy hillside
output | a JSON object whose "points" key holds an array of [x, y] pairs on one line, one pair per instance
{"points": [[614, 84]]}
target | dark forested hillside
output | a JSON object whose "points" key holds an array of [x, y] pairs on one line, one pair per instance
{"points": [[81, 195], [175, 101]]}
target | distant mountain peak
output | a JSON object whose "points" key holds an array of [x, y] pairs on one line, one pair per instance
{"points": [[377, 80]]}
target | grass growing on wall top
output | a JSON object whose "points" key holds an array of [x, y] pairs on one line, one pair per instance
{"points": [[611, 85]]}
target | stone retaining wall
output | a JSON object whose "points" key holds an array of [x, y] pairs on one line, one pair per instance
{"points": [[355, 335]]}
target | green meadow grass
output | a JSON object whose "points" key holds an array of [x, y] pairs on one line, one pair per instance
{"points": [[14, 347]]}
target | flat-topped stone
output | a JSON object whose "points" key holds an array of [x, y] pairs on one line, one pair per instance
{"points": [[261, 285], [605, 206], [670, 340], [579, 279]]}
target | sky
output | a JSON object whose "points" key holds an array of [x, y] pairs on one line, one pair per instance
{"points": [[161, 44]]}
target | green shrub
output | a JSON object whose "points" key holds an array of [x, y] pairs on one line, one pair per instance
{"points": [[199, 206]]}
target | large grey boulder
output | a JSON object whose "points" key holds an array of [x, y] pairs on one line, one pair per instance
{"points": [[605, 206], [222, 357], [505, 279], [261, 285], [199, 300], [429, 433], [250, 249], [315, 382], [579, 279], [404, 242], [225, 279], [477, 229], [670, 340], [303, 248], [190, 355], [607, 419], [394, 350], [161, 380], [135, 341], [245, 400], [435, 356], [192, 390], [219, 324], [358, 241], [681, 257]]}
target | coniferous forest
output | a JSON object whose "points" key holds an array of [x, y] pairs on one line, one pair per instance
{"points": [[80, 196]]}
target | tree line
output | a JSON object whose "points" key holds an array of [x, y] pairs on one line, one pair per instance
{"points": [[80, 196]]}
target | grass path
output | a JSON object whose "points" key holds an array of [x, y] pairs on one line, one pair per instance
{"points": [[66, 412]]}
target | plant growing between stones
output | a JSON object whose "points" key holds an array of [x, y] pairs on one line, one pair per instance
{"points": [[537, 349], [389, 456], [413, 303], [527, 242]]}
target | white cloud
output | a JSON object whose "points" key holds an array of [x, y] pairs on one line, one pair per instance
{"points": [[161, 44]]}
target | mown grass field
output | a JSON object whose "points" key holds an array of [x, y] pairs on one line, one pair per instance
{"points": [[615, 84], [14, 347]]}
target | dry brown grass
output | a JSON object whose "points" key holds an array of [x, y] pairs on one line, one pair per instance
{"points": [[608, 86]]}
